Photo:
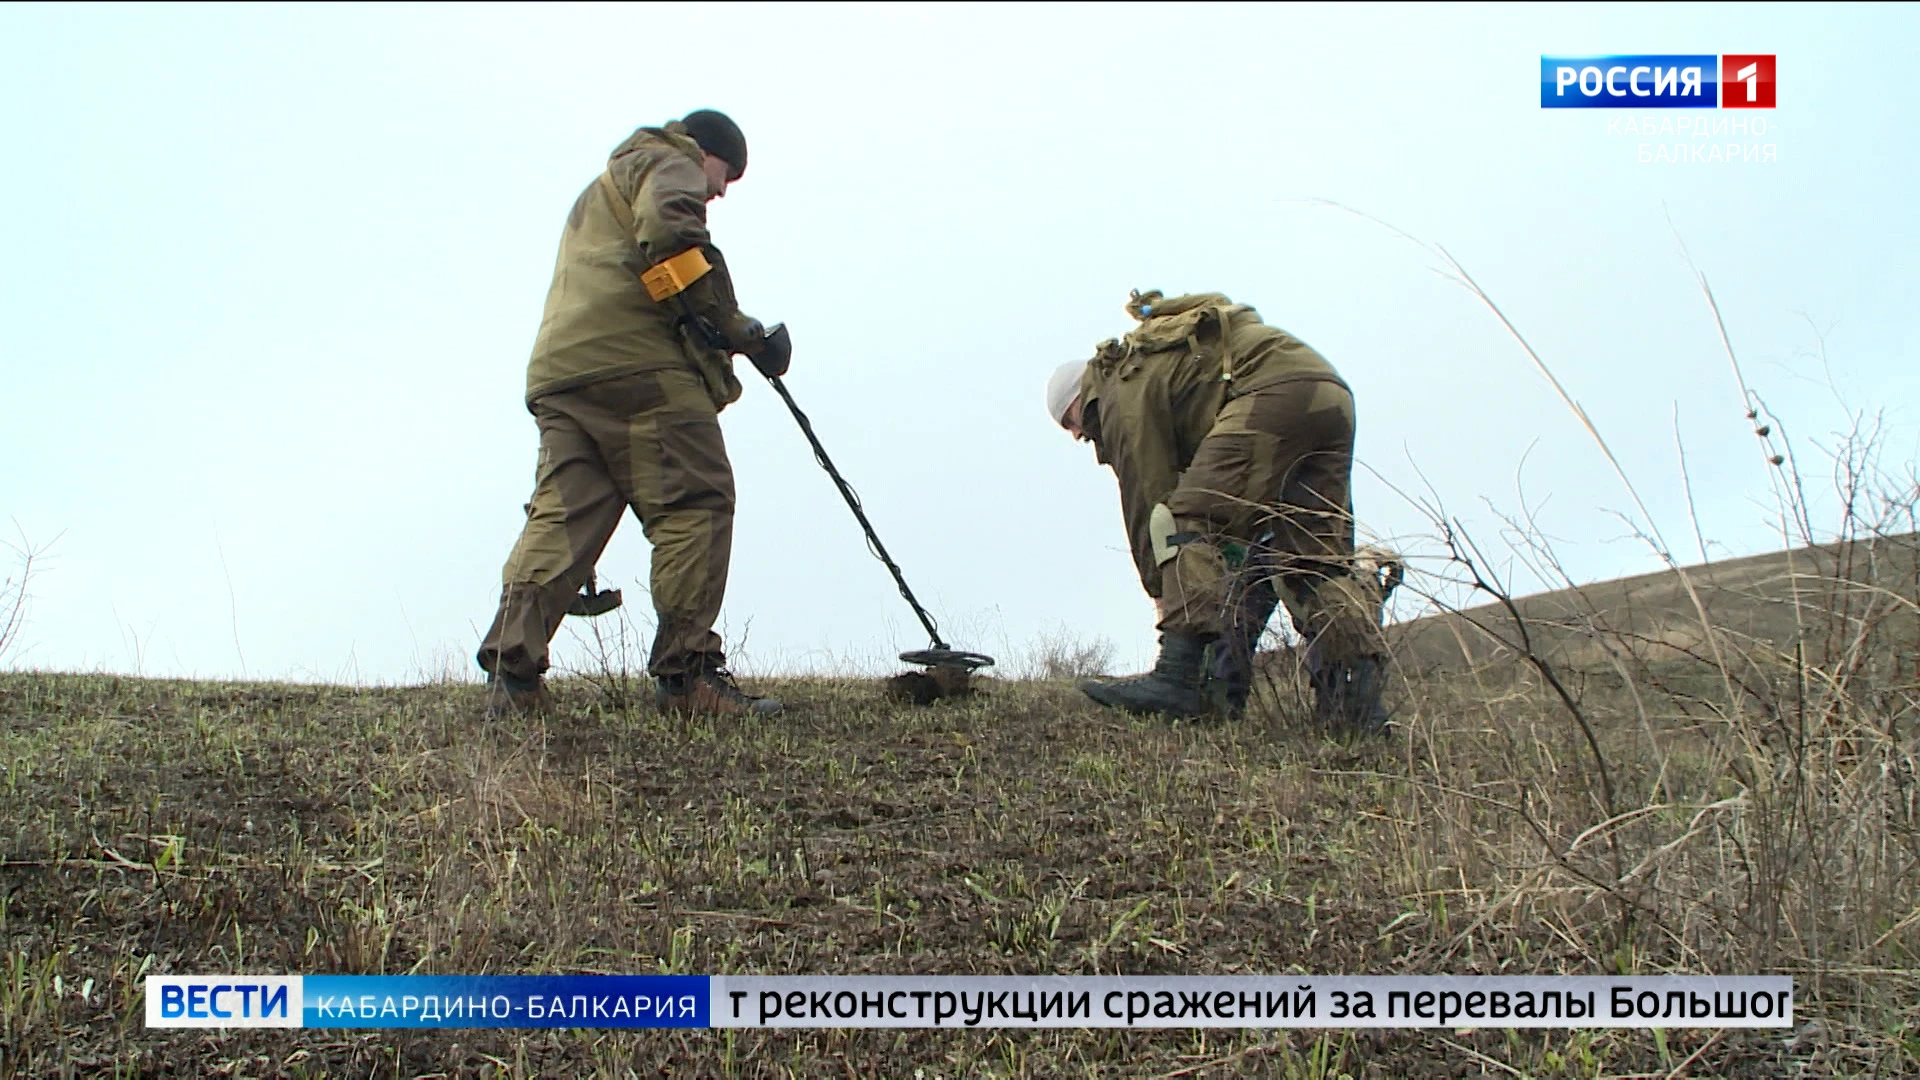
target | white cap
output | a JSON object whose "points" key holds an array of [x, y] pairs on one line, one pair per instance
{"points": [[1064, 387]]}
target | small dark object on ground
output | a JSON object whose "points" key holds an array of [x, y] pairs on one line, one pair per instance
{"points": [[927, 687]]}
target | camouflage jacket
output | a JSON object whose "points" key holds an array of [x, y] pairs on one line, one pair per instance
{"points": [[599, 322], [1148, 398]]}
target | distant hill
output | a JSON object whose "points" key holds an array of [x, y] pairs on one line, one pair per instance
{"points": [[1815, 595]]}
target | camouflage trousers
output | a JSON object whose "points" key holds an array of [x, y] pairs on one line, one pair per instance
{"points": [[650, 442], [1267, 501]]}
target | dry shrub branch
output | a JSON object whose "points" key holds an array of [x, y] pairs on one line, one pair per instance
{"points": [[1707, 770], [15, 596]]}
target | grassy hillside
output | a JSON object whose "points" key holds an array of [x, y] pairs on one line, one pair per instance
{"points": [[172, 827], [1810, 596], [1584, 783]]}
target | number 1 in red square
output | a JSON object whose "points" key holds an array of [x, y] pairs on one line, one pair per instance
{"points": [[1746, 82]]}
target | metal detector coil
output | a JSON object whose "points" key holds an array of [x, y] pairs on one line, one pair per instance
{"points": [[947, 658]]}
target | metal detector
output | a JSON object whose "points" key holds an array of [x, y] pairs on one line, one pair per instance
{"points": [[940, 655]]}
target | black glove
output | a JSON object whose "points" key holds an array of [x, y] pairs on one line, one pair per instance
{"points": [[708, 310], [774, 352]]}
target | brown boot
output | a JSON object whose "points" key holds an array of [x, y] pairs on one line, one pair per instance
{"points": [[710, 693], [508, 696]]}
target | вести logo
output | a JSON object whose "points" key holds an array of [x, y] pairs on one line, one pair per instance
{"points": [[1703, 81]]}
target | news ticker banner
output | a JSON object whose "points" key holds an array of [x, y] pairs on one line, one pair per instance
{"points": [[990, 1001]]}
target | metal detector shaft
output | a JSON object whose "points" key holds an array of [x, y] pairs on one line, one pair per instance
{"points": [[853, 503]]}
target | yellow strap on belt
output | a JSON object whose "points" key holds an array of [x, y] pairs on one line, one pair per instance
{"points": [[671, 276]]}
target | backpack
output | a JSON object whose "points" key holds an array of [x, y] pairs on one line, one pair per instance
{"points": [[1197, 322]]}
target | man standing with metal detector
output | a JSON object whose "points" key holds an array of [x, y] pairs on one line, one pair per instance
{"points": [[631, 367], [1233, 445]]}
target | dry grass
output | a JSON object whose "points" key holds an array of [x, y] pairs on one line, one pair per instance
{"points": [[1059, 655], [157, 827]]}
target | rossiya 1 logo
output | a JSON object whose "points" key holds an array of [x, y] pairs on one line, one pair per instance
{"points": [[1704, 81]]}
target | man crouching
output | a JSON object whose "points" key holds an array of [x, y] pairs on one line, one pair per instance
{"points": [[1233, 445]]}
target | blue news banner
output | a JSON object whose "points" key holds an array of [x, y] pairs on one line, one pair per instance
{"points": [[936, 1001]]}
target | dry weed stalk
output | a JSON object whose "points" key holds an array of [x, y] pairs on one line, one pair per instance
{"points": [[1714, 776], [1776, 827], [14, 595]]}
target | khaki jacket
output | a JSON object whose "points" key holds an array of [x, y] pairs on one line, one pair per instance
{"points": [[1149, 398], [599, 322]]}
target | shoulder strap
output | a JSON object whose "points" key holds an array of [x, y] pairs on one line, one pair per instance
{"points": [[1223, 321]]}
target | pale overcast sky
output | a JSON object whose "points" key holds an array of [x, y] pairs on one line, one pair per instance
{"points": [[270, 277]]}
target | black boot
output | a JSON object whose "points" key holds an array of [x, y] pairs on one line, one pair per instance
{"points": [[1366, 687], [1329, 682], [1230, 684], [1229, 689], [1347, 696], [1172, 688]]}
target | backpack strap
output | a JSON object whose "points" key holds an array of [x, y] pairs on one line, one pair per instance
{"points": [[1223, 319]]}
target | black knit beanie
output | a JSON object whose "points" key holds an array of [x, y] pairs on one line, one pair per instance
{"points": [[718, 135]]}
